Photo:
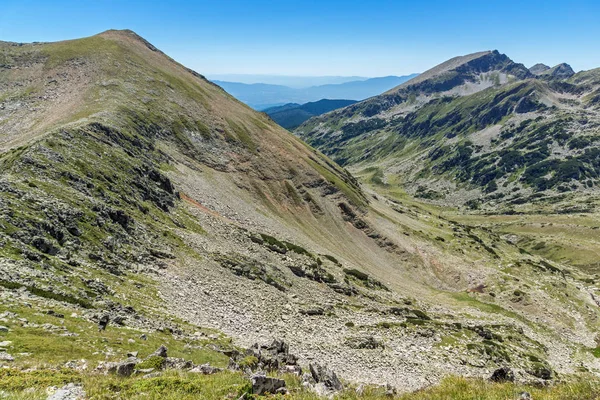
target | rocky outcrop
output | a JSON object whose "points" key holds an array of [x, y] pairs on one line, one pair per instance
{"points": [[273, 357], [503, 374], [160, 352], [127, 367], [71, 391], [322, 380], [262, 384]]}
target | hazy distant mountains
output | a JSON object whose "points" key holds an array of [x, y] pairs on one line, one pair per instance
{"points": [[292, 81], [292, 115], [261, 96]]}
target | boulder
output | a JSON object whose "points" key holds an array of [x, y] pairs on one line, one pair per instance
{"points": [[160, 352], [205, 369], [177, 363], [364, 342], [68, 392], [4, 328], [275, 356], [127, 367], [484, 332], [390, 390], [326, 377], [313, 311], [103, 322], [503, 374], [6, 357], [542, 372], [262, 384], [44, 245]]}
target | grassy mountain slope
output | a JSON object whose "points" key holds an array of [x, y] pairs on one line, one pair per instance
{"points": [[134, 188], [478, 130], [293, 115]]}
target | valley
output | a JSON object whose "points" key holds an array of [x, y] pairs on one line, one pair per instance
{"points": [[292, 115], [439, 239]]}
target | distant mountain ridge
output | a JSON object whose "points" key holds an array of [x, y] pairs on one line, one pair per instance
{"points": [[261, 96], [292, 115], [292, 81]]}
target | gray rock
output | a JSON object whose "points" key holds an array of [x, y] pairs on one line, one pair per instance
{"points": [[178, 363], [132, 354], [160, 352], [364, 342], [127, 367], [262, 384], [6, 357], [313, 311], [103, 322], [275, 356], [282, 390], [390, 391], [68, 392], [44, 245], [4, 329], [326, 377], [205, 369], [503, 374], [542, 373], [525, 396]]}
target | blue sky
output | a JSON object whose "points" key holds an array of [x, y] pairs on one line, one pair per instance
{"points": [[326, 37]]}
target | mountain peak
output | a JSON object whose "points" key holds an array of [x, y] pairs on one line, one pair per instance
{"points": [[562, 70], [458, 70], [539, 68], [125, 35]]}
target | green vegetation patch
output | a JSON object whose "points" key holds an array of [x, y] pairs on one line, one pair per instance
{"points": [[364, 279]]}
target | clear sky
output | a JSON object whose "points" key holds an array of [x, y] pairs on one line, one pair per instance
{"points": [[324, 37]]}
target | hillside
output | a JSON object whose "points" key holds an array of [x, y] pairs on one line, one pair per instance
{"points": [[477, 131], [261, 96], [293, 115], [142, 205]]}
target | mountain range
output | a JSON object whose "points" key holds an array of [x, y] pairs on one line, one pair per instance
{"points": [[477, 131], [292, 81], [261, 96], [161, 238], [292, 115]]}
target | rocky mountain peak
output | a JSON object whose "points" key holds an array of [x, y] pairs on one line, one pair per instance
{"points": [[561, 71], [459, 70], [539, 68]]}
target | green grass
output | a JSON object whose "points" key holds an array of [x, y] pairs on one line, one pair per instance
{"points": [[466, 389], [243, 135], [176, 385], [334, 179], [52, 348]]}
